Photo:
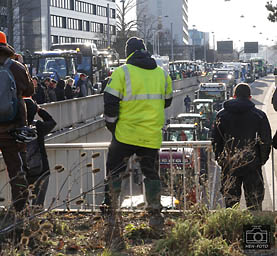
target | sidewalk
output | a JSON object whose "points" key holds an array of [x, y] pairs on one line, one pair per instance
{"points": [[267, 169]]}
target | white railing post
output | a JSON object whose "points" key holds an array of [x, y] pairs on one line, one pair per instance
{"points": [[196, 173]]}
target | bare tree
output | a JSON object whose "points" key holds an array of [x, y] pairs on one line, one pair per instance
{"points": [[124, 28], [272, 16]]}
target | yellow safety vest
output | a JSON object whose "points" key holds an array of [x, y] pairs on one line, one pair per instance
{"points": [[141, 111]]}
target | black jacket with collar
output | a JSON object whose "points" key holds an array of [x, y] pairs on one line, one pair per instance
{"points": [[240, 127]]}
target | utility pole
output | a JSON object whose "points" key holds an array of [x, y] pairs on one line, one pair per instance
{"points": [[193, 43], [108, 27], [10, 22], [154, 45], [205, 50], [171, 32], [144, 29], [158, 43], [123, 18]]}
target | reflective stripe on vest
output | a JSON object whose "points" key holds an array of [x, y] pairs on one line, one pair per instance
{"points": [[166, 84], [128, 81], [113, 92], [129, 95], [110, 119]]}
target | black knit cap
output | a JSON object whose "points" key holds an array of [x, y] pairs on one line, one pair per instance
{"points": [[32, 109], [242, 90], [134, 44]]}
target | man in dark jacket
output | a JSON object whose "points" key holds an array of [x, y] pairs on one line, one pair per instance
{"points": [[46, 84], [44, 127], [10, 148], [39, 96], [68, 92], [241, 139], [187, 102], [60, 90], [81, 86], [51, 91]]}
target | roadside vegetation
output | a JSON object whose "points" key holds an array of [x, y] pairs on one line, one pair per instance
{"points": [[197, 232]]}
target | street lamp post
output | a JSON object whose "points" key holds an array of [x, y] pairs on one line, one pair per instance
{"points": [[153, 41], [213, 41], [171, 39], [144, 29], [193, 43], [123, 17], [213, 45], [205, 50], [108, 27], [171, 33], [158, 42]]}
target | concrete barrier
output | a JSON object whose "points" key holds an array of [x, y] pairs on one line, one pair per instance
{"points": [[189, 82], [70, 112], [80, 110], [84, 110]]}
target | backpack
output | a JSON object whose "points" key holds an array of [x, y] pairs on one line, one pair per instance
{"points": [[34, 159], [8, 93]]}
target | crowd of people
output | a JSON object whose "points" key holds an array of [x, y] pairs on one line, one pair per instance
{"points": [[51, 90], [134, 115]]}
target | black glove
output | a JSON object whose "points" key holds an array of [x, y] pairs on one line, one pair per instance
{"points": [[111, 127]]}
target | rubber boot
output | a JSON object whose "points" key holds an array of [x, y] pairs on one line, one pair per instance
{"points": [[113, 237], [105, 206], [153, 197]]}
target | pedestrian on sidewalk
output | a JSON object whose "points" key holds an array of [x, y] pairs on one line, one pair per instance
{"points": [[15, 83], [134, 102], [241, 139], [187, 102]]}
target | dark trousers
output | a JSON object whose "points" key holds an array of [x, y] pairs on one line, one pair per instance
{"points": [[253, 185], [117, 160], [187, 107], [16, 163]]}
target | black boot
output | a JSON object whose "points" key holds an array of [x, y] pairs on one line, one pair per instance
{"points": [[153, 197]]}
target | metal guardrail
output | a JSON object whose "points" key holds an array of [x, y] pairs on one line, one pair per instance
{"points": [[82, 173]]}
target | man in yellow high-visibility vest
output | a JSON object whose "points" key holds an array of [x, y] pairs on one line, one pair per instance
{"points": [[134, 102]]}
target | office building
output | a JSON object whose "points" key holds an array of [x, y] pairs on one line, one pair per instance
{"points": [[38, 24], [158, 18]]}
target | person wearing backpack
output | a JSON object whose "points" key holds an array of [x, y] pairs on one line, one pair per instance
{"points": [[15, 83], [36, 156]]}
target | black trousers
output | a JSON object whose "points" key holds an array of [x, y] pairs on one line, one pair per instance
{"points": [[117, 160], [253, 185], [14, 157]]}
